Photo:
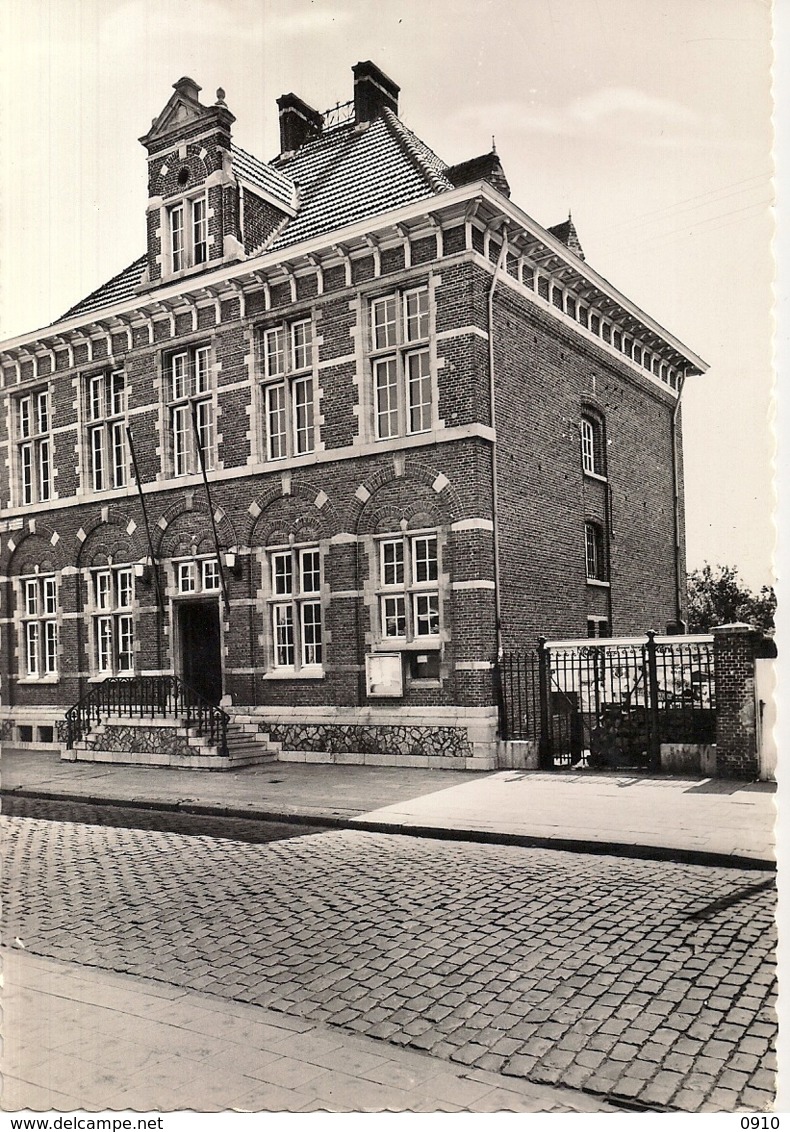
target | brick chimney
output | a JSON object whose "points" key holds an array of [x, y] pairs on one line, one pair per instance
{"points": [[299, 123], [373, 90]]}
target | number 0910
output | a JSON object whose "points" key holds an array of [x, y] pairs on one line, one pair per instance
{"points": [[759, 1122]]}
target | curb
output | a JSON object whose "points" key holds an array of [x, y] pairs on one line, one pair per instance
{"points": [[435, 833]]}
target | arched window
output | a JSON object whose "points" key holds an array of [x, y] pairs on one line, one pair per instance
{"points": [[593, 444]]}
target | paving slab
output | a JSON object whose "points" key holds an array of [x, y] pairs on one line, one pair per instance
{"points": [[627, 813], [162, 1069], [699, 816]]}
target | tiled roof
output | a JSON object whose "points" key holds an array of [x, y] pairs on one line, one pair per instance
{"points": [[265, 176], [116, 290], [349, 174], [566, 233], [486, 167], [343, 176]]}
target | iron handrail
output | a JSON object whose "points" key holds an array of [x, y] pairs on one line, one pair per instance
{"points": [[141, 696]]}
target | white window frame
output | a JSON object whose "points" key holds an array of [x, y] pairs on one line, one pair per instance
{"points": [[408, 588], [593, 438], [289, 389], [187, 232], [106, 411], [189, 385], [195, 576], [296, 609], [38, 604], [112, 606], [402, 370], [34, 448]]}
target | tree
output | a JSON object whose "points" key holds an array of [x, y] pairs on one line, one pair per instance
{"points": [[717, 596]]}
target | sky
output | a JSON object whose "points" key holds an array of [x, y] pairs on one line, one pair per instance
{"points": [[649, 119]]}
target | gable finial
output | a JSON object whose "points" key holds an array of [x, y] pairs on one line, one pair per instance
{"points": [[220, 97], [493, 143]]}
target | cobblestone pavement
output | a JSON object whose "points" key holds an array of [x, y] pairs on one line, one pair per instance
{"points": [[80, 1038], [641, 981]]}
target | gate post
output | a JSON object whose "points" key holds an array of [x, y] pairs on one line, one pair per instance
{"points": [[499, 693], [653, 720], [545, 755]]}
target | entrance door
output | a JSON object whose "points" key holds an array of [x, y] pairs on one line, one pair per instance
{"points": [[201, 660]]}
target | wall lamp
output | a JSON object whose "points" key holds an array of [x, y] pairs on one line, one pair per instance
{"points": [[232, 562], [142, 570]]}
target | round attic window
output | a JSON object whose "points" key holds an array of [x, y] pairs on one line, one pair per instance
{"points": [[183, 176]]}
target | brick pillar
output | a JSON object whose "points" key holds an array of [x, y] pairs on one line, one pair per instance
{"points": [[736, 716]]}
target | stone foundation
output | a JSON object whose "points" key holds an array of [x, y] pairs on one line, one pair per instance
{"points": [[689, 758], [448, 738], [344, 739], [130, 739]]}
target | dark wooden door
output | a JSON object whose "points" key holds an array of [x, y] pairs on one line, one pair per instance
{"points": [[201, 657]]}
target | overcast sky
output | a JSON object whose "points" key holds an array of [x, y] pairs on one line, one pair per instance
{"points": [[649, 119]]}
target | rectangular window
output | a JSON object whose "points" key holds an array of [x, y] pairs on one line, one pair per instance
{"points": [[419, 391], [198, 575], [288, 390], [200, 230], [113, 624], [295, 608], [408, 572], [188, 223], [107, 448], [177, 237], [385, 376], [417, 315], [34, 448], [594, 552], [187, 581], [588, 445], [598, 627], [592, 444], [402, 384], [211, 580], [191, 411], [303, 415], [284, 649], [38, 599]]}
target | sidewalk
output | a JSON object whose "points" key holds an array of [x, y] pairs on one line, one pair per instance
{"points": [[707, 821], [88, 1039]]}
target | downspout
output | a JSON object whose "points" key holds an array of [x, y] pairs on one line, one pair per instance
{"points": [[676, 503], [494, 477]]}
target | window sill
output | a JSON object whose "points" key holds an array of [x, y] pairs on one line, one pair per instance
{"points": [[598, 582], [35, 681], [595, 476], [293, 674], [99, 677], [391, 644]]}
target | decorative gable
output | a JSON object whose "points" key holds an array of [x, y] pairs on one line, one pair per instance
{"points": [[193, 197], [184, 114]]}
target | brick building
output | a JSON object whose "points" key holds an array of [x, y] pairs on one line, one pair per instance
{"points": [[353, 424]]}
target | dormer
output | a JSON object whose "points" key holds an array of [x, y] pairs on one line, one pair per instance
{"points": [[193, 197]]}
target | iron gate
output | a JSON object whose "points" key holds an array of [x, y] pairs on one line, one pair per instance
{"points": [[609, 703]]}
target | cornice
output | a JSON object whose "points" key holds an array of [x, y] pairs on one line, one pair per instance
{"points": [[477, 203]]}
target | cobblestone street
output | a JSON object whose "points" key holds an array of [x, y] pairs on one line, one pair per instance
{"points": [[642, 981]]}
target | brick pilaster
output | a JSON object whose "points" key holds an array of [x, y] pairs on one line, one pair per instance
{"points": [[736, 718]]}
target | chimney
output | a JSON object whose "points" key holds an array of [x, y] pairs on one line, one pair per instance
{"points": [[299, 123], [373, 90]]}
